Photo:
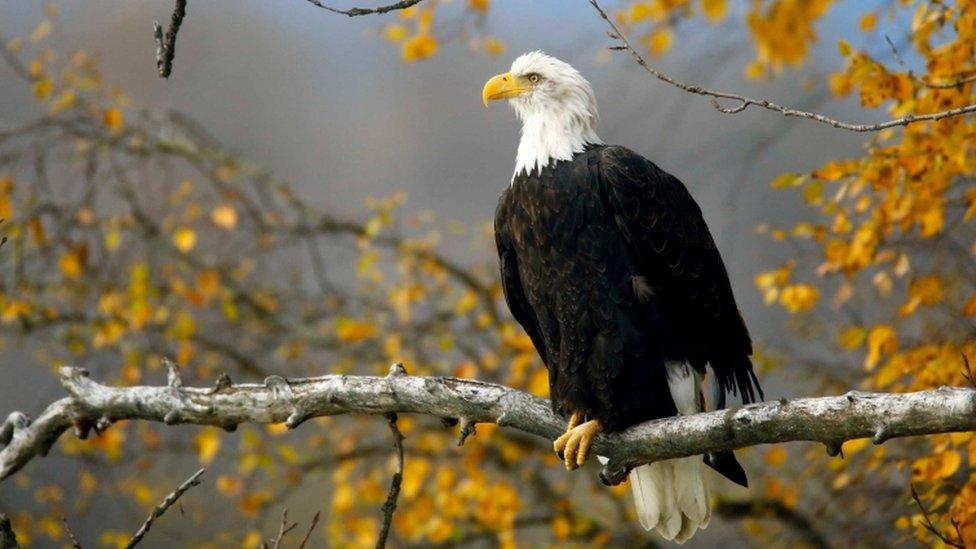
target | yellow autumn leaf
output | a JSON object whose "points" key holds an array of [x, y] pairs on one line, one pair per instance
{"points": [[114, 538], [208, 283], [251, 504], [229, 486], [112, 118], [969, 308], [43, 88], [881, 339], [938, 466], [539, 383], [852, 447], [926, 291], [494, 46], [788, 179], [852, 337], [395, 33], [224, 216], [185, 239], [6, 204], [659, 41], [799, 297], [715, 10], [418, 47], [353, 331], [640, 11], [479, 5], [253, 540], [560, 527], [776, 456], [868, 22], [64, 100], [754, 70], [112, 240], [70, 264], [468, 301], [207, 444], [844, 47]]}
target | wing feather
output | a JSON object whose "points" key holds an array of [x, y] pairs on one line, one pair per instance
{"points": [[669, 240]]}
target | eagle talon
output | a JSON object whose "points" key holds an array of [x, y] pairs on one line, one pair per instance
{"points": [[559, 444], [574, 444]]}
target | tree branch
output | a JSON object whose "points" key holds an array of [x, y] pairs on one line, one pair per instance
{"points": [[354, 12], [927, 523], [391, 499], [745, 101], [162, 507], [828, 420], [166, 48]]}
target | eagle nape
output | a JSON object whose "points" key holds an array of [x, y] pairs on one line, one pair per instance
{"points": [[574, 445]]}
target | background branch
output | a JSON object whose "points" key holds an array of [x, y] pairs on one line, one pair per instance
{"points": [[391, 500], [162, 507], [354, 12], [166, 47], [743, 101], [828, 420]]}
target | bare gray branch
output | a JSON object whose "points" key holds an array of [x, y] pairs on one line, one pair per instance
{"points": [[828, 420]]}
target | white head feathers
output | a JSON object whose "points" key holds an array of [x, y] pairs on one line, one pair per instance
{"points": [[558, 116]]}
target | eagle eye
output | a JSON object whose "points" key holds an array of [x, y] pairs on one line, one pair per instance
{"points": [[534, 78]]}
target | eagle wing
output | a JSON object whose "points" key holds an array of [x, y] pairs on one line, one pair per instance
{"points": [[671, 244], [511, 281]]}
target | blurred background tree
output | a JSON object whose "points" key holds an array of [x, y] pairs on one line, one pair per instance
{"points": [[136, 233]]}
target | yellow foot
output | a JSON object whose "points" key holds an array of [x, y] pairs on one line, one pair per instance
{"points": [[574, 419], [574, 445]]}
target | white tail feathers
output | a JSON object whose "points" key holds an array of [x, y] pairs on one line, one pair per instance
{"points": [[671, 497]]}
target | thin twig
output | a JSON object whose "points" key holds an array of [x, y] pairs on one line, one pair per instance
{"points": [[71, 535], [166, 48], [934, 85], [894, 51], [927, 523], [315, 522], [745, 101], [967, 373], [354, 12], [283, 529], [162, 507], [391, 500], [952, 84]]}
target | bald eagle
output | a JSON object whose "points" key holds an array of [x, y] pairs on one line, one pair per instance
{"points": [[608, 265]]}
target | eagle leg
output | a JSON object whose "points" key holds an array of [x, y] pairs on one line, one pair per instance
{"points": [[575, 443]]}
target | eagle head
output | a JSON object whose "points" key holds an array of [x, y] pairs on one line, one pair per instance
{"points": [[555, 103]]}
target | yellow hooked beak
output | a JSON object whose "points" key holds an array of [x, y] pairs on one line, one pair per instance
{"points": [[504, 86]]}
